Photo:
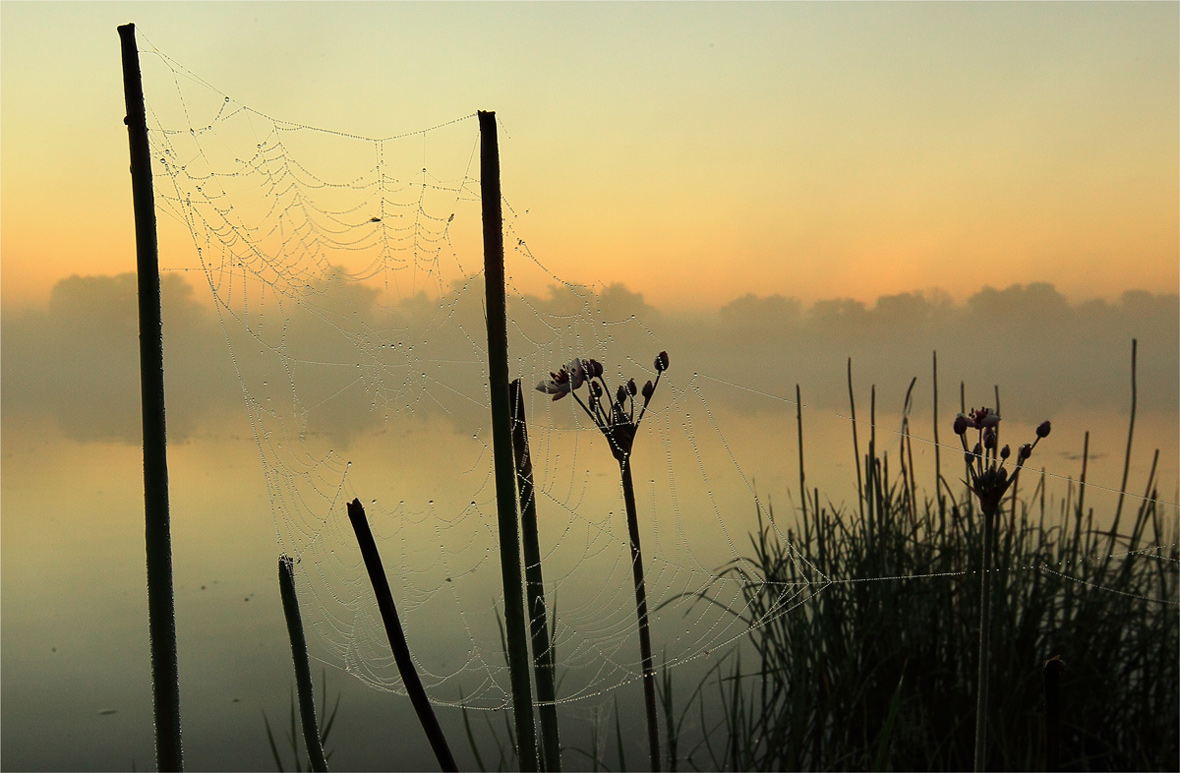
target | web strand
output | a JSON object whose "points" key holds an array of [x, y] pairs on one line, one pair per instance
{"points": [[344, 271]]}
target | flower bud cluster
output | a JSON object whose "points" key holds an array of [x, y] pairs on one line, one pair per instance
{"points": [[616, 419], [985, 462]]}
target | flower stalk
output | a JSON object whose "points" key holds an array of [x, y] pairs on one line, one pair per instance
{"points": [[989, 481], [618, 419]]}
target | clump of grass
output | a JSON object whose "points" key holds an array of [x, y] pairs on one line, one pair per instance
{"points": [[828, 692]]}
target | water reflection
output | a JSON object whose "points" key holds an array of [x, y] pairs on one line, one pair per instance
{"points": [[74, 629]]}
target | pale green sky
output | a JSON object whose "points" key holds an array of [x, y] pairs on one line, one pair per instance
{"points": [[694, 151]]}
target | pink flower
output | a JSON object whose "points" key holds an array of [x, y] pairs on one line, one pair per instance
{"points": [[558, 386], [983, 418], [578, 371], [567, 379]]}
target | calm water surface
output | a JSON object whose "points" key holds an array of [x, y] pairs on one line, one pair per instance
{"points": [[76, 690]]}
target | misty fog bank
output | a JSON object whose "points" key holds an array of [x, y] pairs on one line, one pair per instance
{"points": [[76, 362]]}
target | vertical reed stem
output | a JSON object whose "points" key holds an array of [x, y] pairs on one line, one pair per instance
{"points": [[860, 489], [497, 318], [1052, 675], [397, 637], [871, 466], [158, 530], [543, 665], [963, 409], [1130, 435], [1140, 519], [989, 517], [996, 450], [907, 451], [311, 731], [649, 677], [802, 482], [937, 457]]}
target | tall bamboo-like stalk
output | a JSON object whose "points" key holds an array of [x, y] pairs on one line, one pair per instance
{"points": [[311, 732], [158, 531], [543, 664], [516, 634]]}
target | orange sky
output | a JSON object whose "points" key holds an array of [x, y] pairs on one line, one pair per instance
{"points": [[696, 152]]}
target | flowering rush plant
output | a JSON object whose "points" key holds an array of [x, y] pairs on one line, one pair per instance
{"points": [[615, 416], [613, 413], [985, 465]]}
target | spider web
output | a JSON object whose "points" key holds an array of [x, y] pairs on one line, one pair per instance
{"points": [[346, 271]]}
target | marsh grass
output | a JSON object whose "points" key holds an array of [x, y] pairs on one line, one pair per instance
{"points": [[865, 631], [877, 670]]}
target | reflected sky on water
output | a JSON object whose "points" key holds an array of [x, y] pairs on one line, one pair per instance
{"points": [[75, 657]]}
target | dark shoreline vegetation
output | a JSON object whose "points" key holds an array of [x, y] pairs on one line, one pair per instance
{"points": [[879, 674], [864, 627]]}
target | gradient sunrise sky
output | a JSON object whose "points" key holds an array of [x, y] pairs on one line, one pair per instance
{"points": [[695, 152]]}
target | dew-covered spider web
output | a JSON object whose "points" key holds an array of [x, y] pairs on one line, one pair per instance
{"points": [[347, 274]]}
